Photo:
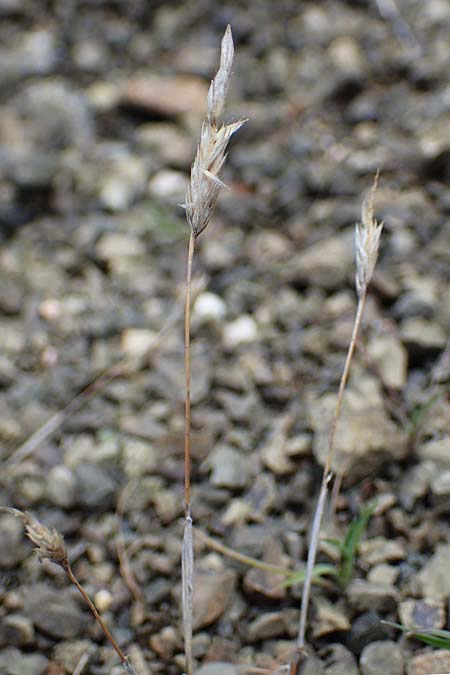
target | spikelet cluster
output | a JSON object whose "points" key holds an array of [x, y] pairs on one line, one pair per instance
{"points": [[49, 543], [205, 183], [367, 242]]}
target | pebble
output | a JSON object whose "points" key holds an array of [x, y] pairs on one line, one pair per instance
{"points": [[381, 658], [436, 661], [213, 594], [208, 307], [365, 629], [242, 330], [423, 333], [54, 612], [324, 264], [329, 618], [69, 653], [379, 549], [13, 662], [168, 96], [364, 431], [268, 625], [437, 450], [364, 595], [95, 487], [338, 660], [168, 185], [12, 543], [422, 614], [391, 359], [136, 342], [122, 182], [61, 486], [433, 578], [264, 583], [230, 468], [17, 630]]}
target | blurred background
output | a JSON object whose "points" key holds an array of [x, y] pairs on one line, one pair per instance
{"points": [[101, 104]]}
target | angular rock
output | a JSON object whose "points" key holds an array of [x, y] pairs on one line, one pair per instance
{"points": [[437, 661], [364, 595], [213, 594], [54, 612], [433, 578], [421, 614]]}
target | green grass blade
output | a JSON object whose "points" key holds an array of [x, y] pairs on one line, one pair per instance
{"points": [[351, 543], [320, 570], [434, 637]]}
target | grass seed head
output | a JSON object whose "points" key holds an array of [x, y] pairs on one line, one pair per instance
{"points": [[367, 241]]}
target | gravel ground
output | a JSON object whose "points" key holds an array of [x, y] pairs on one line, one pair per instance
{"points": [[100, 107]]}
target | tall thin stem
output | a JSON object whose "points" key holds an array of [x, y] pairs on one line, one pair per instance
{"points": [[326, 477], [123, 658], [187, 369], [188, 545]]}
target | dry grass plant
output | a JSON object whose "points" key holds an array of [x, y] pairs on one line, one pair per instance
{"points": [[201, 197], [50, 546], [367, 241]]}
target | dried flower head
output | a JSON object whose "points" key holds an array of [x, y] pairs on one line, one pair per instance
{"points": [[367, 241], [205, 183], [49, 543]]}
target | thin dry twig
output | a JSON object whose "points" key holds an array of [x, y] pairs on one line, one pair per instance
{"points": [[201, 197], [367, 240]]}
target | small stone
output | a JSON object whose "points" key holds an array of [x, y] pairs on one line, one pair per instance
{"points": [[365, 629], [436, 450], [12, 544], [95, 487], [118, 245], [379, 549], [434, 578], [324, 264], [165, 643], [381, 658], [421, 614], [391, 358], [208, 307], [213, 594], [62, 617], [230, 468], [68, 653], [261, 496], [122, 182], [242, 330], [61, 486], [347, 56], [363, 595], [423, 333], [440, 484], [103, 600], [17, 630], [338, 660], [136, 342], [383, 574], [416, 482], [217, 668], [329, 618], [266, 626], [274, 452], [168, 185], [166, 95], [262, 582], [437, 661], [15, 663]]}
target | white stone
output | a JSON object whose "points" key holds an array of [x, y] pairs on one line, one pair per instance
{"points": [[240, 331], [208, 307]]}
